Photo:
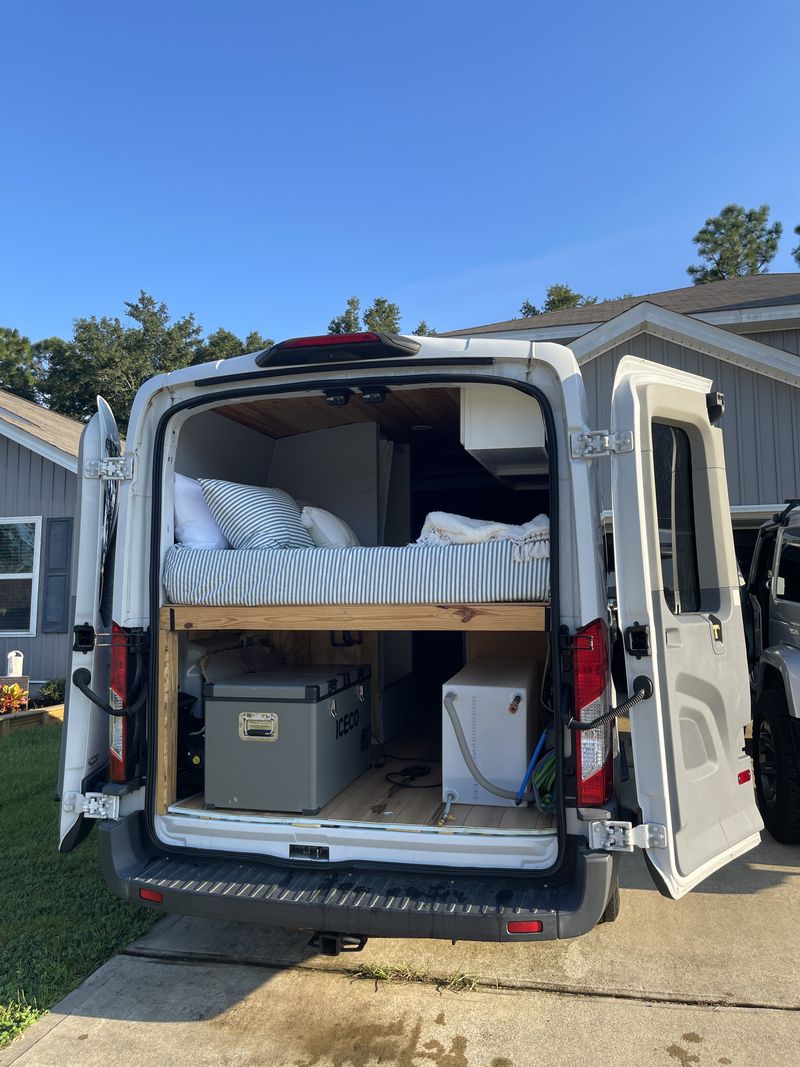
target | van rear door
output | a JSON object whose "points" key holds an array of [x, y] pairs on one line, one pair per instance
{"points": [[680, 617], [84, 743]]}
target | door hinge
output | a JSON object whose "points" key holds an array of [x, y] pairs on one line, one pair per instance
{"points": [[600, 443], [615, 836], [93, 805], [111, 468]]}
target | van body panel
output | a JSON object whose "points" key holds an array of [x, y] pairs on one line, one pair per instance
{"points": [[684, 735], [84, 747], [387, 902], [677, 576]]}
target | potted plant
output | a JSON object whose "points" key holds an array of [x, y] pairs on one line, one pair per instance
{"points": [[13, 698]]}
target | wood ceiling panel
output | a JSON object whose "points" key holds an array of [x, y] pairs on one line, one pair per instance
{"points": [[397, 415]]}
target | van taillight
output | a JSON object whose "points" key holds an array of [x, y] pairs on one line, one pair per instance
{"points": [[118, 699], [594, 756]]}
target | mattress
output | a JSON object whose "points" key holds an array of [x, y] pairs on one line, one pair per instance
{"points": [[413, 574]]}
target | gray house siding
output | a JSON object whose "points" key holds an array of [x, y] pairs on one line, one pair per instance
{"points": [[785, 340], [761, 425], [32, 485]]}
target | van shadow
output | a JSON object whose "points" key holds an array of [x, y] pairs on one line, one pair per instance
{"points": [[187, 970]]}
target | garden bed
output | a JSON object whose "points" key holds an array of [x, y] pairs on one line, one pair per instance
{"points": [[22, 720]]}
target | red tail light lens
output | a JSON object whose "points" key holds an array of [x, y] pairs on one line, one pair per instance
{"points": [[329, 339], [528, 926], [337, 348], [594, 754], [151, 894], [118, 699]]}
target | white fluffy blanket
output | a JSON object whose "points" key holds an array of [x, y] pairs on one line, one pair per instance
{"points": [[531, 540]]}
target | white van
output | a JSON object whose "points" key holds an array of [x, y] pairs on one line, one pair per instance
{"points": [[480, 798]]}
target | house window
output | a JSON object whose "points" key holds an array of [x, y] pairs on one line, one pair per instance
{"points": [[672, 464], [19, 575]]}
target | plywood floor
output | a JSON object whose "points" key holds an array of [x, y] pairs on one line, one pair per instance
{"points": [[371, 799]]}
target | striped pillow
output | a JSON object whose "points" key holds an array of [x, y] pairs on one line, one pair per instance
{"points": [[253, 517]]}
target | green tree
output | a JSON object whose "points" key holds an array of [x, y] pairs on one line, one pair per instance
{"points": [[734, 243], [108, 357], [796, 251], [159, 342], [350, 319], [223, 344], [382, 316], [256, 342], [558, 297], [94, 361], [17, 364], [424, 330]]}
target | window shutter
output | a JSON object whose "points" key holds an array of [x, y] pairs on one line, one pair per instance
{"points": [[55, 585]]}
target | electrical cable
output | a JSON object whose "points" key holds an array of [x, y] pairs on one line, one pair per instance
{"points": [[531, 765], [408, 775]]}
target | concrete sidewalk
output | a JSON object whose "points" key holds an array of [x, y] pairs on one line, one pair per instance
{"points": [[150, 1013], [711, 979]]}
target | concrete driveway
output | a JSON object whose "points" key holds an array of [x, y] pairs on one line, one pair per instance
{"points": [[711, 979]]}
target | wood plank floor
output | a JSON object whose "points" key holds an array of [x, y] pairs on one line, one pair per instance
{"points": [[372, 799]]}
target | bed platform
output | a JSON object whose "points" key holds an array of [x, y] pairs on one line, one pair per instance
{"points": [[525, 617], [176, 619]]}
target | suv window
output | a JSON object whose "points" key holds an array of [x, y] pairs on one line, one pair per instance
{"points": [[788, 584], [672, 465]]}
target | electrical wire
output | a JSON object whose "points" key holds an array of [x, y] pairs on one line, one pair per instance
{"points": [[408, 775]]}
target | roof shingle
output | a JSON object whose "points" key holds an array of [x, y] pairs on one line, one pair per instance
{"points": [[754, 291], [57, 430]]}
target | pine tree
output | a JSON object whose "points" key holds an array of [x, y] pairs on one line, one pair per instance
{"points": [[735, 243], [350, 319], [382, 316]]}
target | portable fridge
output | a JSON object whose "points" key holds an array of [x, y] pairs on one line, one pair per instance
{"points": [[497, 705], [288, 739]]}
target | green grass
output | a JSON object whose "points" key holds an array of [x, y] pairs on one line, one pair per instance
{"points": [[58, 922], [455, 982]]}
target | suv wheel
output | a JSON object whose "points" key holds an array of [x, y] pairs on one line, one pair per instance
{"points": [[776, 759]]}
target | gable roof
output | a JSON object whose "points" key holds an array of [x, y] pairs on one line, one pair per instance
{"points": [[731, 295], [698, 335], [53, 436]]}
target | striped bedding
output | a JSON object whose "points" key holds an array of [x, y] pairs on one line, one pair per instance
{"points": [[414, 574]]}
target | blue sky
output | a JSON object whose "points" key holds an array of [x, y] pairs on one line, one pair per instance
{"points": [[256, 163]]}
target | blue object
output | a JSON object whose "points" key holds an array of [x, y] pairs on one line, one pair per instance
{"points": [[531, 765]]}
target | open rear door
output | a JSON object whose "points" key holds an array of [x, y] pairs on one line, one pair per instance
{"points": [[84, 743], [680, 615]]}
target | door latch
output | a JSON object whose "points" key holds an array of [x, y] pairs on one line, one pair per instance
{"points": [[84, 637], [637, 640]]}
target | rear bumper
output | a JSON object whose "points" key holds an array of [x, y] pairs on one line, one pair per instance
{"points": [[367, 903]]}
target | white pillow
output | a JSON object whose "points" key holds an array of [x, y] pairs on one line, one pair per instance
{"points": [[327, 530], [195, 526], [252, 516]]}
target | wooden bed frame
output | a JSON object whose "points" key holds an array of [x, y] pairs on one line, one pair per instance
{"points": [[176, 619]]}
